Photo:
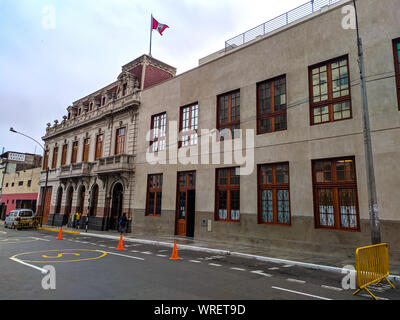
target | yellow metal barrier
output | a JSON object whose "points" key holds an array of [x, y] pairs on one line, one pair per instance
{"points": [[372, 264]]}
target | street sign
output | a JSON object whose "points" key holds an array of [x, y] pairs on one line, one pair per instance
{"points": [[20, 157]]}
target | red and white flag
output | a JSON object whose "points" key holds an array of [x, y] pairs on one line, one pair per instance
{"points": [[158, 26]]}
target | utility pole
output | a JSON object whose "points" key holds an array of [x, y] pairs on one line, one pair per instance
{"points": [[369, 161]]}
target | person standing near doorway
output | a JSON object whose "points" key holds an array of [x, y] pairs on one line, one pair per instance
{"points": [[77, 219], [123, 224]]}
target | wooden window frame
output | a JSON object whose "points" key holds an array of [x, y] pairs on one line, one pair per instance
{"points": [[120, 141], [74, 153], [229, 124], [275, 187], [159, 138], [55, 158], [45, 160], [227, 187], [335, 185], [273, 114], [396, 56], [331, 101], [154, 190], [64, 153], [99, 146], [190, 130], [86, 150]]}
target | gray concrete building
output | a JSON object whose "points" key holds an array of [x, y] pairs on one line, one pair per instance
{"points": [[295, 93]]}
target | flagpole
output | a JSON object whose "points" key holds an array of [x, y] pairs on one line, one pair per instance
{"points": [[151, 33]]}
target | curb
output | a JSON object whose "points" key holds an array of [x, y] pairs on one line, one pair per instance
{"points": [[227, 253], [55, 230]]}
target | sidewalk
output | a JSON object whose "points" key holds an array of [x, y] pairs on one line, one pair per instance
{"points": [[319, 261]]}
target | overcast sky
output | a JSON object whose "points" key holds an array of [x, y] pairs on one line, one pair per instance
{"points": [[54, 52]]}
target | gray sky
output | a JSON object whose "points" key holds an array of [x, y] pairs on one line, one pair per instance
{"points": [[46, 63]]}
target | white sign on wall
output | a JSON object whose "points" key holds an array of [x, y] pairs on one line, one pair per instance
{"points": [[16, 157]]}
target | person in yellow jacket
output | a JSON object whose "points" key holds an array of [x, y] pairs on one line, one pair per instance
{"points": [[77, 219]]}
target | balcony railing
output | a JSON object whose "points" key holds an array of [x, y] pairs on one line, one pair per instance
{"points": [[118, 163], [278, 22], [82, 169]]}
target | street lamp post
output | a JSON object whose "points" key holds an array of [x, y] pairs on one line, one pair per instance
{"points": [[372, 195], [47, 173]]}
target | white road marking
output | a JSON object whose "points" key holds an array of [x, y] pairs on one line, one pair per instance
{"points": [[261, 273], [162, 250], [147, 252], [215, 264], [43, 271], [295, 280], [331, 288], [161, 255], [134, 251], [122, 255], [288, 266], [41, 239], [301, 293], [195, 261], [274, 268], [238, 269]]}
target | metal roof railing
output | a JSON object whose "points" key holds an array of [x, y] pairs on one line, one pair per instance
{"points": [[278, 22]]}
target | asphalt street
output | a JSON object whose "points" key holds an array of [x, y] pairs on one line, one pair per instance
{"points": [[90, 268]]}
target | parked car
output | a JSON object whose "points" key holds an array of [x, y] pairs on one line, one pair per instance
{"points": [[20, 218]]}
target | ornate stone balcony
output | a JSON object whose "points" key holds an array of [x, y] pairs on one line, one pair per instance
{"points": [[129, 103], [76, 170], [115, 164]]}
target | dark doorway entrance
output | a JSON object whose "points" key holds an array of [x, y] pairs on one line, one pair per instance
{"points": [[116, 207], [68, 206], [186, 204], [94, 200]]}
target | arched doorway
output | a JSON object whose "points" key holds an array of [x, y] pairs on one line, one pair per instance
{"points": [[68, 205], [58, 204], [81, 199], [116, 207], [94, 201]]}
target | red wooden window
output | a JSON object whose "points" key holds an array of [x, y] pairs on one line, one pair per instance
{"points": [[99, 146], [120, 141], [189, 124], [330, 94], [55, 157], [154, 195], [228, 114], [227, 195], [86, 147], [396, 52], [271, 105], [273, 194], [335, 194], [45, 160], [64, 154], [158, 129], [74, 154]]}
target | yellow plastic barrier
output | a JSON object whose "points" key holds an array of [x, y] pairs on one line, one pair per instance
{"points": [[372, 264]]}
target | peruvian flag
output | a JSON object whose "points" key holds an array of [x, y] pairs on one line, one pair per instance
{"points": [[158, 26]]}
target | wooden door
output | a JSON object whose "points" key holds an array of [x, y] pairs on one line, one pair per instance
{"points": [[185, 204], [47, 202]]}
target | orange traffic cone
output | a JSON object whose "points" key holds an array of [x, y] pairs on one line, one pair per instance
{"points": [[60, 235], [175, 253], [120, 244]]}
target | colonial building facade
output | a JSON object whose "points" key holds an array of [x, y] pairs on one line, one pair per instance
{"points": [[91, 153], [296, 91]]}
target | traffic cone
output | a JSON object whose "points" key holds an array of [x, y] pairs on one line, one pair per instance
{"points": [[60, 237], [120, 244], [175, 253]]}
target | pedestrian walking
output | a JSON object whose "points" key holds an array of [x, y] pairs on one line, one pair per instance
{"points": [[87, 223]]}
